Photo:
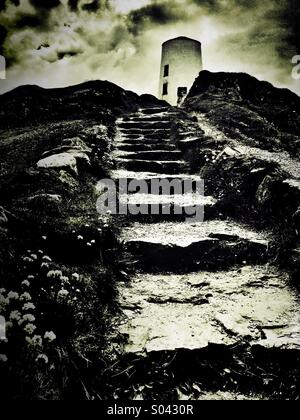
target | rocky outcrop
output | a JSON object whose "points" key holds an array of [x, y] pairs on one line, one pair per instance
{"points": [[67, 160], [244, 108]]}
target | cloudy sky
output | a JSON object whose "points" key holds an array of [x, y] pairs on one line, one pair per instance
{"points": [[64, 42]]}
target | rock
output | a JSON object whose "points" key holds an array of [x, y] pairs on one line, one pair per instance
{"points": [[65, 161], [68, 180], [42, 205], [265, 190], [163, 311], [228, 152], [186, 246], [49, 198], [72, 145], [293, 184]]}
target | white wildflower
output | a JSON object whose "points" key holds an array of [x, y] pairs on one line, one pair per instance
{"points": [[34, 257], [25, 296], [3, 358], [75, 276], [28, 306], [42, 358], [28, 340], [54, 274], [30, 328], [29, 318], [37, 341], [45, 265], [2, 291], [62, 293], [46, 258], [13, 295], [15, 316], [80, 238], [50, 336], [30, 277], [3, 301], [25, 283]]}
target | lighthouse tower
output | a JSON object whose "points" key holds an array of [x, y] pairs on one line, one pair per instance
{"points": [[180, 65]]}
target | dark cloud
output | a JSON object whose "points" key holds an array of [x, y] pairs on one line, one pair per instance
{"points": [[92, 7], [288, 19], [45, 4], [63, 54], [154, 14], [31, 21], [73, 5]]}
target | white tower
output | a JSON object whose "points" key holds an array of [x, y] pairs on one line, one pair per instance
{"points": [[180, 65]]}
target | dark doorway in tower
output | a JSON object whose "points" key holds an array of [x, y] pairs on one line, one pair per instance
{"points": [[165, 89], [181, 94]]}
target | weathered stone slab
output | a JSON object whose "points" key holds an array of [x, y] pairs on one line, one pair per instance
{"points": [[172, 312]]}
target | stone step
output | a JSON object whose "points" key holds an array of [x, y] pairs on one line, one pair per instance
{"points": [[167, 312], [152, 176], [157, 110], [146, 133], [145, 125], [150, 165], [141, 140], [141, 147], [187, 246], [149, 208], [156, 155], [182, 200], [151, 118]]}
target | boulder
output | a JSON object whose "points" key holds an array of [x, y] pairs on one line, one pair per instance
{"points": [[65, 161], [46, 204], [67, 180], [61, 161], [72, 145]]}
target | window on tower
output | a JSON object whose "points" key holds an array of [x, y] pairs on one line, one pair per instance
{"points": [[166, 70], [165, 89]]}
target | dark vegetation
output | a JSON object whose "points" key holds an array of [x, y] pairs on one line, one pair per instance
{"points": [[259, 188], [57, 271]]}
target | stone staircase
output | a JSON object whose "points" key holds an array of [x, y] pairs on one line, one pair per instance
{"points": [[194, 286]]}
